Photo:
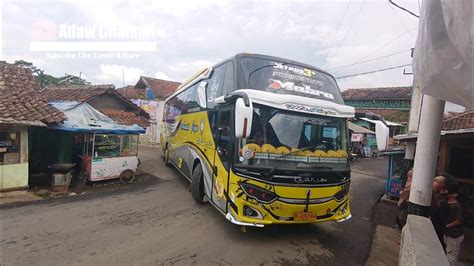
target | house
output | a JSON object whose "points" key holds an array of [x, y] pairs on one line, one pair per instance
{"points": [[22, 109], [391, 103], [150, 93], [92, 112], [160, 89], [456, 156]]}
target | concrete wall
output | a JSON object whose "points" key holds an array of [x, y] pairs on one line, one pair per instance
{"points": [[420, 245], [152, 135], [14, 176]]}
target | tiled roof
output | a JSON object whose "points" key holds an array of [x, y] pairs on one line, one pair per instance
{"points": [[383, 93], [125, 117], [133, 115], [464, 120], [161, 88], [400, 116], [20, 102], [78, 93], [130, 92]]}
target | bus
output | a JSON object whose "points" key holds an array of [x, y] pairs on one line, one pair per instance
{"points": [[263, 139]]}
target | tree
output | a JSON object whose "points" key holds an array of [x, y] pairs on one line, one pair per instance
{"points": [[45, 80]]}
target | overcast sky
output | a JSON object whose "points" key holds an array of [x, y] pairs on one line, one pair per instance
{"points": [[186, 36]]}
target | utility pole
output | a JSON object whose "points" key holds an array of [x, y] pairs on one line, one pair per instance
{"points": [[414, 120], [426, 155]]}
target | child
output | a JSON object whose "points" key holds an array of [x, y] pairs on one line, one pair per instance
{"points": [[453, 234], [403, 201]]}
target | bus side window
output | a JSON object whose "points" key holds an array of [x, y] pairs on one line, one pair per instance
{"points": [[214, 86], [229, 78]]}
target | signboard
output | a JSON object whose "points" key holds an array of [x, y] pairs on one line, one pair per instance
{"points": [[357, 137]]}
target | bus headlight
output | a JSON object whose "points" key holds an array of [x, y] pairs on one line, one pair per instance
{"points": [[343, 192], [258, 193]]}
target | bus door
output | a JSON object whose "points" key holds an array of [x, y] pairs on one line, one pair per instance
{"points": [[222, 156]]}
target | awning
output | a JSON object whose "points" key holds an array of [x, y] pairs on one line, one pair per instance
{"points": [[81, 117], [358, 129]]}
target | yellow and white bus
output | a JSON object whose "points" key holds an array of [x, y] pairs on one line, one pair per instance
{"points": [[263, 139]]}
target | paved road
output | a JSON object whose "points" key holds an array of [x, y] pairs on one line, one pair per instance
{"points": [[159, 223]]}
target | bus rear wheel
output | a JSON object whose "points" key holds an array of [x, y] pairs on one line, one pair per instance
{"points": [[166, 157], [197, 184]]}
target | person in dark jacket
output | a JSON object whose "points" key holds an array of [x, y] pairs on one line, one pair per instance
{"points": [[439, 212], [454, 233]]}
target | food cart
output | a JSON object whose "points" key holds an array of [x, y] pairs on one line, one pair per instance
{"points": [[108, 156], [110, 150]]}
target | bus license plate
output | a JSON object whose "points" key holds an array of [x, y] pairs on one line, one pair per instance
{"points": [[305, 216]]}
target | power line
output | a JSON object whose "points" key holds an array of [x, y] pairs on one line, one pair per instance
{"points": [[399, 19], [352, 25], [370, 60], [373, 71], [337, 30], [404, 9], [92, 78], [387, 43]]}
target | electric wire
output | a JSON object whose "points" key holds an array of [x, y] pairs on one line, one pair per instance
{"points": [[385, 44], [373, 71], [91, 78], [369, 60], [337, 31], [404, 9], [399, 19], [352, 25]]}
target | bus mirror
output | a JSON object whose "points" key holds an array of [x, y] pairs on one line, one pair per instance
{"points": [[202, 94], [243, 118]]}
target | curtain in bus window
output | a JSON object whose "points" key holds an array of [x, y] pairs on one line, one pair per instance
{"points": [[192, 101], [214, 87], [229, 78]]}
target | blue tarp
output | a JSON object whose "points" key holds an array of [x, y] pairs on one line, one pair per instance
{"points": [[81, 117]]}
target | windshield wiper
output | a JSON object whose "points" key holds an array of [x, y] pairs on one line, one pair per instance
{"points": [[270, 172]]}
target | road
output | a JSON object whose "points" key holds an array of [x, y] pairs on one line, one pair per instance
{"points": [[159, 223]]}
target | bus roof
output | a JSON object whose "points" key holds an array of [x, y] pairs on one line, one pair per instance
{"points": [[237, 57]]}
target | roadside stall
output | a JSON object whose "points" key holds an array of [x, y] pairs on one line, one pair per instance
{"points": [[110, 150], [396, 174]]}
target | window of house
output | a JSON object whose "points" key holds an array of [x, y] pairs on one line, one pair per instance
{"points": [[9, 148]]}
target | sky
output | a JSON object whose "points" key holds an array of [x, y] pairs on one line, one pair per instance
{"points": [[174, 39]]}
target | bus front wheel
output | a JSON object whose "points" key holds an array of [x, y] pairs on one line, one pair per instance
{"points": [[197, 184]]}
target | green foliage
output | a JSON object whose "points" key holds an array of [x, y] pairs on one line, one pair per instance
{"points": [[45, 80]]}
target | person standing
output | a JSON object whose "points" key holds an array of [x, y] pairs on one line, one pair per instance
{"points": [[439, 212], [454, 234], [403, 201]]}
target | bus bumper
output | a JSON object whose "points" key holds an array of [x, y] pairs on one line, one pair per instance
{"points": [[231, 218]]}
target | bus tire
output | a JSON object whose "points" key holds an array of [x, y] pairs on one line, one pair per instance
{"points": [[166, 156], [197, 184]]}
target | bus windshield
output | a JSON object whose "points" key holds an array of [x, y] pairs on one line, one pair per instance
{"points": [[293, 140], [285, 78]]}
